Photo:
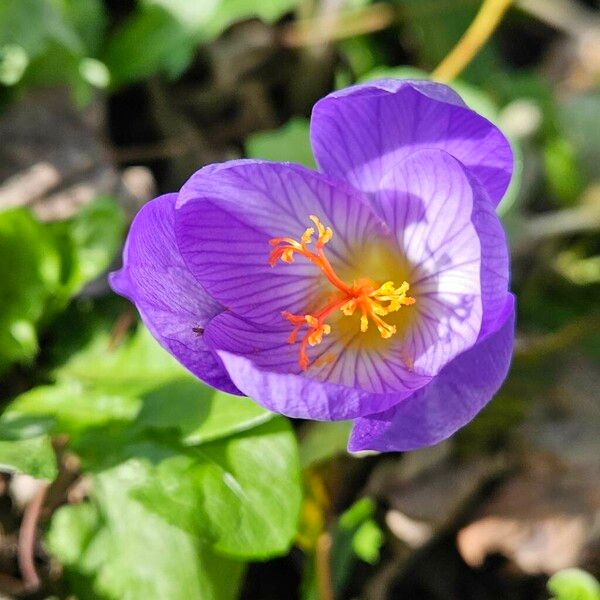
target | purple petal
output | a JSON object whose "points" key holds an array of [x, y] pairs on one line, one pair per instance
{"points": [[226, 216], [428, 203], [495, 258], [265, 367], [360, 133], [451, 400], [170, 301]]}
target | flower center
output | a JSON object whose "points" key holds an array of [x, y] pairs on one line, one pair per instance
{"points": [[371, 299]]}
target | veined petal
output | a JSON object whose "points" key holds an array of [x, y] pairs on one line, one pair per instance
{"points": [[265, 367], [428, 202], [495, 258], [450, 401], [227, 215], [172, 304], [360, 133]]}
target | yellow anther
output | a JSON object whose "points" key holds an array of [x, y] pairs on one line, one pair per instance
{"points": [[378, 309], [386, 331], [396, 297], [364, 323], [387, 289], [349, 307], [306, 238], [374, 302], [312, 321], [320, 227], [287, 256], [325, 233], [403, 288], [316, 336]]}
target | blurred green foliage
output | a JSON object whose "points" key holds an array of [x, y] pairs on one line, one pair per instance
{"points": [[115, 547], [173, 464], [187, 484], [574, 584], [43, 266], [355, 537], [288, 143]]}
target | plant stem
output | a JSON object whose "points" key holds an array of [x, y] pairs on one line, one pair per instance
{"points": [[484, 24], [337, 26], [27, 537], [323, 567]]}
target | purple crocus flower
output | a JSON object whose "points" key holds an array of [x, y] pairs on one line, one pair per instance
{"points": [[375, 289]]}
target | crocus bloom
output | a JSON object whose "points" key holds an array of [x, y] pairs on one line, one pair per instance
{"points": [[375, 289]]}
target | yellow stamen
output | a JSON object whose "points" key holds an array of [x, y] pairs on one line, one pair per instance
{"points": [[373, 300], [306, 238]]}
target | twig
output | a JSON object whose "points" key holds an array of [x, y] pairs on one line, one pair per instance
{"points": [[47, 499], [68, 473], [124, 322], [559, 223], [568, 16], [376, 17], [27, 537], [323, 566], [479, 31], [558, 340], [307, 32]]}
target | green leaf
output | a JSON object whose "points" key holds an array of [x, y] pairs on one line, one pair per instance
{"points": [[574, 584], [29, 276], [323, 441], [367, 542], [564, 177], [89, 241], [241, 493], [223, 469], [207, 20], [89, 19], [54, 37], [136, 366], [170, 30], [33, 456], [290, 143], [362, 55], [356, 535], [66, 408], [220, 468], [167, 46], [43, 265], [13, 62], [199, 413], [94, 72], [113, 547], [34, 23]]}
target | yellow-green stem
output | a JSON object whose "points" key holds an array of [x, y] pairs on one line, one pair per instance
{"points": [[484, 24]]}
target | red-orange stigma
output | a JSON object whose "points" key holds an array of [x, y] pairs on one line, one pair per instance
{"points": [[372, 300]]}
